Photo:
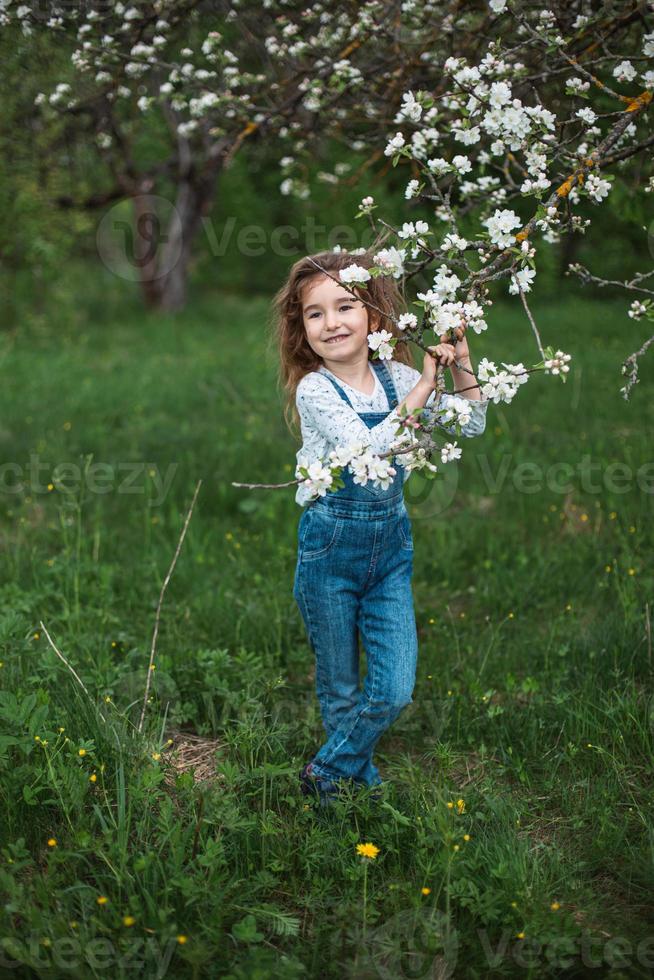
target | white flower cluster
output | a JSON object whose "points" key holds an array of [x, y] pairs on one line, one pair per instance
{"points": [[407, 321], [365, 466], [558, 364], [596, 188], [444, 311], [500, 227], [522, 280], [458, 410], [415, 458], [380, 340], [638, 309], [391, 261], [500, 386], [354, 274]]}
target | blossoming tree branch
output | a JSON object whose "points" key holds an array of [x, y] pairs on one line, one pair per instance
{"points": [[510, 119], [165, 93], [517, 148]]}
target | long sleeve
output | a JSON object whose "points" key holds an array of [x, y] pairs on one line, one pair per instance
{"points": [[406, 378], [322, 410]]}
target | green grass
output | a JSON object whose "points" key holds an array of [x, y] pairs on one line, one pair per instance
{"points": [[533, 702]]}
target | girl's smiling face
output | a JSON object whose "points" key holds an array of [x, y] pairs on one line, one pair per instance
{"points": [[335, 322]]}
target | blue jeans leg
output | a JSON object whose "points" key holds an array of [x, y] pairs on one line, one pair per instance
{"points": [[333, 636], [386, 620]]}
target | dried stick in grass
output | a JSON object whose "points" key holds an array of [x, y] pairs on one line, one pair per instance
{"points": [[161, 595]]}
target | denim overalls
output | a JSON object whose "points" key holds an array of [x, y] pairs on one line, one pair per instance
{"points": [[353, 573]]}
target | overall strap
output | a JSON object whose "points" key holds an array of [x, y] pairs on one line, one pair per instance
{"points": [[384, 376], [339, 390], [386, 379]]}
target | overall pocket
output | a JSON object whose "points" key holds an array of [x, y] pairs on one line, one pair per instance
{"points": [[320, 535]]}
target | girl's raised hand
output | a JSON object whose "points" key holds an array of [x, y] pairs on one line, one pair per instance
{"points": [[440, 354]]}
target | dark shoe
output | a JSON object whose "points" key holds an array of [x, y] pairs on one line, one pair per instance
{"points": [[325, 790]]}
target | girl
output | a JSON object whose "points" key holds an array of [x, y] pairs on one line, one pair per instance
{"points": [[355, 545]]}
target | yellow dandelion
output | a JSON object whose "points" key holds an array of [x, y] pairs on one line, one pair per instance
{"points": [[428, 677], [555, 906], [128, 920], [156, 756], [36, 636], [460, 806], [450, 805], [50, 486], [456, 847], [449, 694], [93, 778], [73, 923], [632, 571], [52, 841], [632, 529], [583, 517], [367, 850], [432, 621], [589, 745], [462, 615], [107, 699], [182, 939], [169, 742], [81, 751], [612, 515], [569, 606], [511, 615], [61, 729], [113, 643], [37, 738], [153, 666], [229, 535], [520, 935], [514, 905], [102, 899], [466, 837], [425, 891]]}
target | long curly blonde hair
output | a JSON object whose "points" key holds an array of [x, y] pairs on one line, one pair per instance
{"points": [[296, 357]]}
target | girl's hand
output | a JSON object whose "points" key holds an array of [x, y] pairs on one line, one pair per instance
{"points": [[440, 354], [461, 347]]}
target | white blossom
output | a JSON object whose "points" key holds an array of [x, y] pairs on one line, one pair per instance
{"points": [[557, 364], [500, 226], [624, 72], [449, 452], [379, 340], [395, 144], [596, 188], [391, 261], [407, 321], [354, 273], [522, 280]]}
